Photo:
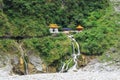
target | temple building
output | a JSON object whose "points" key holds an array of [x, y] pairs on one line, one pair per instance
{"points": [[79, 28], [53, 28]]}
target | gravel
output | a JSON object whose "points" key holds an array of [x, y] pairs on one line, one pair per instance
{"points": [[80, 75], [93, 71]]}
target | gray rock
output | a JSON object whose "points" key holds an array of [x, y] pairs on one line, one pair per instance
{"points": [[36, 61]]}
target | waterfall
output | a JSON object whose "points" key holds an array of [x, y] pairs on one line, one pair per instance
{"points": [[23, 56], [67, 66], [75, 56], [63, 67]]}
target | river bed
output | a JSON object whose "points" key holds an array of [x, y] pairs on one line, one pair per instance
{"points": [[93, 71]]}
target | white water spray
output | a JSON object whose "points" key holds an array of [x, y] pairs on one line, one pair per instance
{"points": [[74, 56], [63, 67]]}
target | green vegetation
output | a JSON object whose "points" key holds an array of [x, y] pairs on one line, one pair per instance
{"points": [[32, 18], [54, 48], [103, 35]]}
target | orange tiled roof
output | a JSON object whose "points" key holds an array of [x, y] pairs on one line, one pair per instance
{"points": [[53, 26], [79, 27]]}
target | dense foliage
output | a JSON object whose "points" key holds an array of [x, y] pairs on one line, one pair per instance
{"points": [[33, 17], [98, 39], [54, 48]]}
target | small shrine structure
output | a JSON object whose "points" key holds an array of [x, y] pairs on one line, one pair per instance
{"points": [[53, 28], [79, 28]]}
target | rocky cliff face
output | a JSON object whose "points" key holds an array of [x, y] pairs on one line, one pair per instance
{"points": [[116, 5], [11, 64]]}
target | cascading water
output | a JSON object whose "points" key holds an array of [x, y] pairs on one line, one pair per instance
{"points": [[23, 56], [63, 68], [74, 56]]}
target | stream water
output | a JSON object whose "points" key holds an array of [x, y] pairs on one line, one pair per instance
{"points": [[23, 57], [74, 56]]}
